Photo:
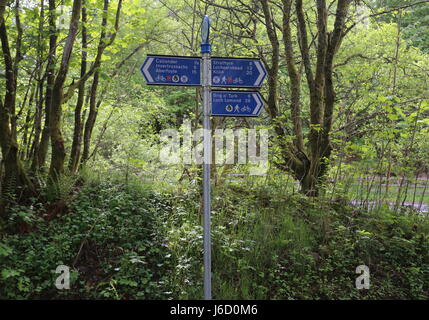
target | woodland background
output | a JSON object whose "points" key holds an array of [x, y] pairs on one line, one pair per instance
{"points": [[347, 106]]}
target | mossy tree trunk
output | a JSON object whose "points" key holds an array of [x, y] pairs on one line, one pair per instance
{"points": [[78, 123], [15, 182], [41, 149], [57, 141], [307, 163]]}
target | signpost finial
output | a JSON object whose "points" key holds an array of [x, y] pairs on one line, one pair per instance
{"points": [[205, 34]]}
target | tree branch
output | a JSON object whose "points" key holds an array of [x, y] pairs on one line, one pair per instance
{"points": [[102, 45]]}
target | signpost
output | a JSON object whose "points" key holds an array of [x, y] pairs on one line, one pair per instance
{"points": [[242, 73], [210, 72], [236, 103], [186, 71], [172, 71]]}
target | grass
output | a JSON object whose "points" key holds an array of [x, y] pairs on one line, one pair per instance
{"points": [[391, 195], [293, 248], [138, 242], [353, 189]]}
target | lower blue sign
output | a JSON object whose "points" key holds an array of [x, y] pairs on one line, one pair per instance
{"points": [[236, 103]]}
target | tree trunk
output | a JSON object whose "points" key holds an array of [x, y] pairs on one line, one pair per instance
{"points": [[309, 186], [57, 141], [89, 125], [41, 151], [307, 163], [15, 182], [78, 126]]}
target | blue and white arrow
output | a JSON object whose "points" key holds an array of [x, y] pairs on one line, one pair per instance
{"points": [[236, 103], [236, 72], [172, 70]]}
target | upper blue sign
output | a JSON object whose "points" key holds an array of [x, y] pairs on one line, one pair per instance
{"points": [[236, 103], [173, 71], [245, 73]]}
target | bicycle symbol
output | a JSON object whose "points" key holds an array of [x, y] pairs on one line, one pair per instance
{"points": [[245, 109]]}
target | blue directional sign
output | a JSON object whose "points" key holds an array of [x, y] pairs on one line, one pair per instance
{"points": [[227, 72], [236, 103], [171, 70]]}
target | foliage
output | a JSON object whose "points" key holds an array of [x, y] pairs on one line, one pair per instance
{"points": [[129, 242], [130, 226], [107, 237]]}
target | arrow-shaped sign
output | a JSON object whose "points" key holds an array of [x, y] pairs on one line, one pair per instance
{"points": [[185, 71], [236, 103], [236, 72], [172, 70]]}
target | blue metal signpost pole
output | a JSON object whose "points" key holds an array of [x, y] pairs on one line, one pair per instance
{"points": [[206, 83]]}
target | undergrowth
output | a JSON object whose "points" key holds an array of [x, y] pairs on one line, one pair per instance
{"points": [[128, 241]]}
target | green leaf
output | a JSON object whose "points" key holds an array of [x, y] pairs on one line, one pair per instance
{"points": [[5, 250], [9, 273]]}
